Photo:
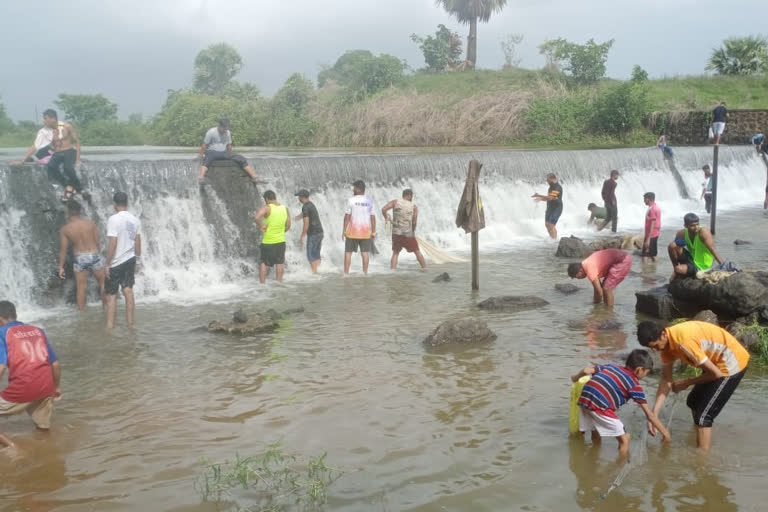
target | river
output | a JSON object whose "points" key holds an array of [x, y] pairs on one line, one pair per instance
{"points": [[476, 428]]}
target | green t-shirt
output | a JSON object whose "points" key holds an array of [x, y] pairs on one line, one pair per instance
{"points": [[599, 213]]}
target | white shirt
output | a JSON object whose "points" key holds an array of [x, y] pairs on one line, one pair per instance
{"points": [[44, 137], [125, 227], [216, 141], [359, 209]]}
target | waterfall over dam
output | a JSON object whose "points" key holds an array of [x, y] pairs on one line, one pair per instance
{"points": [[202, 242]]}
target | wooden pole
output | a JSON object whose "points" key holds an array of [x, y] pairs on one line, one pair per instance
{"points": [[475, 262], [713, 213]]}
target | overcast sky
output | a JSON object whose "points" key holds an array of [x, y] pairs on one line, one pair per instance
{"points": [[133, 51]]}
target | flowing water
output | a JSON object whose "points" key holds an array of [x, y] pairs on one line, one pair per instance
{"points": [[477, 428]]}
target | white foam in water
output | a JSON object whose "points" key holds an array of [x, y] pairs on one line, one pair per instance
{"points": [[16, 278]]}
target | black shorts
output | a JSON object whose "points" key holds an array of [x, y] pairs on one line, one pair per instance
{"points": [[272, 254], [686, 259], [553, 214], [121, 276], [653, 248], [707, 400], [352, 244]]}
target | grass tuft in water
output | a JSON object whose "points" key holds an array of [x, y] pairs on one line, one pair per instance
{"points": [[270, 482]]}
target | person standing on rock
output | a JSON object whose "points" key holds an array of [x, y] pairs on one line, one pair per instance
{"points": [[693, 249], [719, 116], [554, 200], [83, 235], [652, 228], [359, 228], [217, 145], [706, 188], [605, 270], [405, 214], [66, 155], [312, 229], [123, 258], [722, 359], [273, 220], [609, 198]]}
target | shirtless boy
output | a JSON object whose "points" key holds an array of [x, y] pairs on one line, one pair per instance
{"points": [[83, 235], [66, 146]]}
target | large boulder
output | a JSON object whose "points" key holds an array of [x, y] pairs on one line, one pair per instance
{"points": [[659, 303], [572, 247], [512, 303], [612, 242], [734, 296], [460, 331]]}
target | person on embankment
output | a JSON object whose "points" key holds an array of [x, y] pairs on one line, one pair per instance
{"points": [[554, 200], [405, 215], [722, 359], [217, 145], [611, 204], [34, 372], [693, 249], [652, 228], [274, 220], [83, 235], [605, 270], [719, 117]]}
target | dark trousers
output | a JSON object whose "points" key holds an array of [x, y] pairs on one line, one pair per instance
{"points": [[612, 215], [65, 159], [708, 202]]}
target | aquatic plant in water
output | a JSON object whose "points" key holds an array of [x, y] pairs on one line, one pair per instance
{"points": [[270, 482]]}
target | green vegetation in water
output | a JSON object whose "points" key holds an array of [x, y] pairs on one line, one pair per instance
{"points": [[270, 482], [759, 350]]}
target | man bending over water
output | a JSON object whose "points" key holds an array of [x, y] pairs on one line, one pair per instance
{"points": [[83, 235], [605, 270]]}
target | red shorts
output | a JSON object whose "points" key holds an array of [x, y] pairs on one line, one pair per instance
{"points": [[617, 272], [400, 242]]}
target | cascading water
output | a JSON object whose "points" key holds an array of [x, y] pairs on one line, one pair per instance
{"points": [[200, 244]]}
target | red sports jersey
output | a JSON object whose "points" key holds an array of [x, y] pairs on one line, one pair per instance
{"points": [[29, 370]]}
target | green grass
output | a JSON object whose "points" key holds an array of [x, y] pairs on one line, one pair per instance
{"points": [[704, 92], [463, 84], [17, 139]]}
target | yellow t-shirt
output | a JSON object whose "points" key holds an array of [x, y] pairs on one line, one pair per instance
{"points": [[695, 342]]}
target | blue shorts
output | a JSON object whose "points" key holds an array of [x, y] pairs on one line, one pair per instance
{"points": [[314, 244], [553, 214]]}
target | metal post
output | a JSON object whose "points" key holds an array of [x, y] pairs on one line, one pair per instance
{"points": [[713, 214], [475, 261]]}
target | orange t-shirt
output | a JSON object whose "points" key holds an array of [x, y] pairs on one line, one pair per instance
{"points": [[694, 342]]}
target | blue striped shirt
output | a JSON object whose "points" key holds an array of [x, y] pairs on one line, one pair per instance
{"points": [[610, 387]]}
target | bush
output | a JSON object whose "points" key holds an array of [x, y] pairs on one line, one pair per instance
{"points": [[361, 74], [288, 123], [113, 133], [441, 52], [560, 119], [621, 109], [585, 63]]}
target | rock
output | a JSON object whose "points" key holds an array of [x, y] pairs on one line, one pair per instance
{"points": [[274, 315], [240, 317], [739, 241], [613, 242], [609, 325], [572, 247], [462, 331], [747, 335], [512, 303], [566, 288], [659, 303], [256, 324], [737, 295], [442, 278], [706, 316]]}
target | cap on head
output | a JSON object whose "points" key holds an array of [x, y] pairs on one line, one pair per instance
{"points": [[269, 195], [49, 112], [120, 199], [224, 123], [302, 193], [649, 195], [359, 184], [7, 310], [690, 218]]}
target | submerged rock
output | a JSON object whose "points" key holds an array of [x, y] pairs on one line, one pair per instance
{"points": [[739, 241], [240, 316], [442, 278], [460, 331], [566, 288], [512, 303], [255, 324], [706, 316]]}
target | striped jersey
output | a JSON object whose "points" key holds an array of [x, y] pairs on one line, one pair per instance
{"points": [[694, 342], [610, 387]]}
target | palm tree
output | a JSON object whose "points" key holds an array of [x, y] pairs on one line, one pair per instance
{"points": [[469, 12], [740, 56]]}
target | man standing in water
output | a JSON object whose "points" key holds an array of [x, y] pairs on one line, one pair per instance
{"points": [[719, 355], [273, 220], [123, 257], [652, 228], [719, 116], [312, 229], [359, 228], [34, 372], [609, 198], [693, 249], [404, 217], [83, 235], [217, 145], [706, 188], [605, 270], [554, 200]]}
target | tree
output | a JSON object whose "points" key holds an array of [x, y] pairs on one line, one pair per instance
{"points": [[509, 47], [342, 71], [215, 67], [639, 75], [84, 108], [5, 122], [362, 74], [585, 63], [740, 56], [469, 12], [441, 52]]}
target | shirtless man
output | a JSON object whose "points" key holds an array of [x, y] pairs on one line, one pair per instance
{"points": [[83, 235], [66, 147]]}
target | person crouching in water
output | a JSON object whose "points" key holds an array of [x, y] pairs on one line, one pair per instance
{"points": [[605, 270], [610, 387]]}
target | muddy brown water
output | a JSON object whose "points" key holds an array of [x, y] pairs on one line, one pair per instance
{"points": [[477, 428]]}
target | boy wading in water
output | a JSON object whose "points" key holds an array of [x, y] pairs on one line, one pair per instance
{"points": [[610, 387]]}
